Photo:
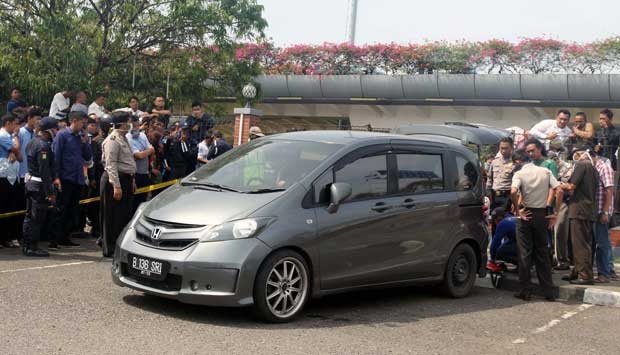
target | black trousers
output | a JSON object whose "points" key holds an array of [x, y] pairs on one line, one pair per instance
{"points": [[114, 214], [92, 209], [67, 215], [142, 180], [9, 227], [20, 205], [532, 247], [37, 213]]}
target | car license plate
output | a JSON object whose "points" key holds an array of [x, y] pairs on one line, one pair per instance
{"points": [[147, 267]]}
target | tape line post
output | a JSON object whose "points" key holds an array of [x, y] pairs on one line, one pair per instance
{"points": [[141, 190]]}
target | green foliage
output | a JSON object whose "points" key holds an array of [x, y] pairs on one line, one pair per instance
{"points": [[174, 46]]}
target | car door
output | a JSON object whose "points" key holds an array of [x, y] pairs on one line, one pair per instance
{"points": [[357, 244], [428, 207]]}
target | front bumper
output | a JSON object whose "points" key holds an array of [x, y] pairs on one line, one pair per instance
{"points": [[213, 273]]}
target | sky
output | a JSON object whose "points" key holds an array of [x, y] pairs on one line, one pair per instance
{"points": [[415, 21]]}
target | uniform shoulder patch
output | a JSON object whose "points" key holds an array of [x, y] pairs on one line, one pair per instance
{"points": [[112, 138]]}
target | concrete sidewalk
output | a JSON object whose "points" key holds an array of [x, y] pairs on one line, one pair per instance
{"points": [[597, 294]]}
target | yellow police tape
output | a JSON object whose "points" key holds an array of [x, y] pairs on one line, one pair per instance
{"points": [[141, 190]]}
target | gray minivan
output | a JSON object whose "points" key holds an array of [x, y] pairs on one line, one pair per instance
{"points": [[305, 214]]}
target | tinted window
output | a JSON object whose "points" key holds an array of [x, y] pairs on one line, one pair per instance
{"points": [[468, 174], [419, 173], [367, 176]]}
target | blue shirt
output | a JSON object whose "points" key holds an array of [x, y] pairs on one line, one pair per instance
{"points": [[12, 105], [25, 135], [70, 154], [507, 227], [138, 145], [6, 143]]}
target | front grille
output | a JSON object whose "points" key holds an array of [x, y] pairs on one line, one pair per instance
{"points": [[172, 224], [171, 283], [170, 244]]}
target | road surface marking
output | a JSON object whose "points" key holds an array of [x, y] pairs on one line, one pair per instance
{"points": [[46, 267], [552, 323]]}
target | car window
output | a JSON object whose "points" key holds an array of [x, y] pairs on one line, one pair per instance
{"points": [[367, 176], [265, 164], [419, 173], [468, 174]]}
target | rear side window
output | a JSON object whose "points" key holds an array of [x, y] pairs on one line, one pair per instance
{"points": [[367, 175], [468, 174], [420, 173]]}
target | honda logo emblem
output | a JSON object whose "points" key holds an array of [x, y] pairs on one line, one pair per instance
{"points": [[156, 233]]}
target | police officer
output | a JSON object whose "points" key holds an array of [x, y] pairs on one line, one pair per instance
{"points": [[40, 191], [532, 191], [117, 182], [500, 174]]}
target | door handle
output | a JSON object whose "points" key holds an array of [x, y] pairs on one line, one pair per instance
{"points": [[380, 207], [408, 203]]}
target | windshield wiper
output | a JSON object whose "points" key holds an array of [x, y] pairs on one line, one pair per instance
{"points": [[215, 187], [265, 191]]}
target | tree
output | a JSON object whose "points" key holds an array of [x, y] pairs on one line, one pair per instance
{"points": [[97, 45], [495, 56], [539, 55]]}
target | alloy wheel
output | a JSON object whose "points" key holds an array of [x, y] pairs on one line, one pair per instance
{"points": [[286, 288]]}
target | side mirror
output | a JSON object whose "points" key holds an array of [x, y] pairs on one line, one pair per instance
{"points": [[339, 191]]}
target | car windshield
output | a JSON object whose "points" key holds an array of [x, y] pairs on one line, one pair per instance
{"points": [[262, 166]]}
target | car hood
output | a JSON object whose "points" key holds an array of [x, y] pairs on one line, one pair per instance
{"points": [[189, 205]]}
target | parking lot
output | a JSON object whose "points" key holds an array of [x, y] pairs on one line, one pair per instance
{"points": [[67, 304]]}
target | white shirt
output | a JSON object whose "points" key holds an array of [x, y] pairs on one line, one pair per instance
{"points": [[203, 150], [99, 111], [545, 127], [59, 103]]}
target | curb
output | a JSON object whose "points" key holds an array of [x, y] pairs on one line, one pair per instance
{"points": [[594, 296], [599, 297]]}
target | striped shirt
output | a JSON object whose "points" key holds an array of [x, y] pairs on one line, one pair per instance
{"points": [[605, 180]]}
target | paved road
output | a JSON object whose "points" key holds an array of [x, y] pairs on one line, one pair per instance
{"points": [[72, 307]]}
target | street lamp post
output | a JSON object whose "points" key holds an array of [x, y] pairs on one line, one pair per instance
{"points": [[246, 116], [352, 21]]}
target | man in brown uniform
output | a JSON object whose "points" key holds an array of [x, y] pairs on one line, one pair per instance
{"points": [[117, 182], [500, 174], [537, 188], [581, 215]]}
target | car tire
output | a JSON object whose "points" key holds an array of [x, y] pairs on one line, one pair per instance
{"points": [[282, 287], [460, 273]]}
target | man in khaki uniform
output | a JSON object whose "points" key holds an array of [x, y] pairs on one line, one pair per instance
{"points": [[117, 182], [500, 174], [537, 187]]}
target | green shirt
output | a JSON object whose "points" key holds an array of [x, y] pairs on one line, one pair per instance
{"points": [[549, 164]]}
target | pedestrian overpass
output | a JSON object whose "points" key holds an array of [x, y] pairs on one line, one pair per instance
{"points": [[385, 101]]}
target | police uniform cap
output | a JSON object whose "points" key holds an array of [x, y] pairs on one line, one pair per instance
{"points": [[48, 123]]}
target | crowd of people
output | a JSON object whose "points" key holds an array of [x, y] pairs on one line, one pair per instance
{"points": [[552, 199], [49, 162], [551, 187]]}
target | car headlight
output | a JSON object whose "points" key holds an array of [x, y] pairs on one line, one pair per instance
{"points": [[239, 229]]}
